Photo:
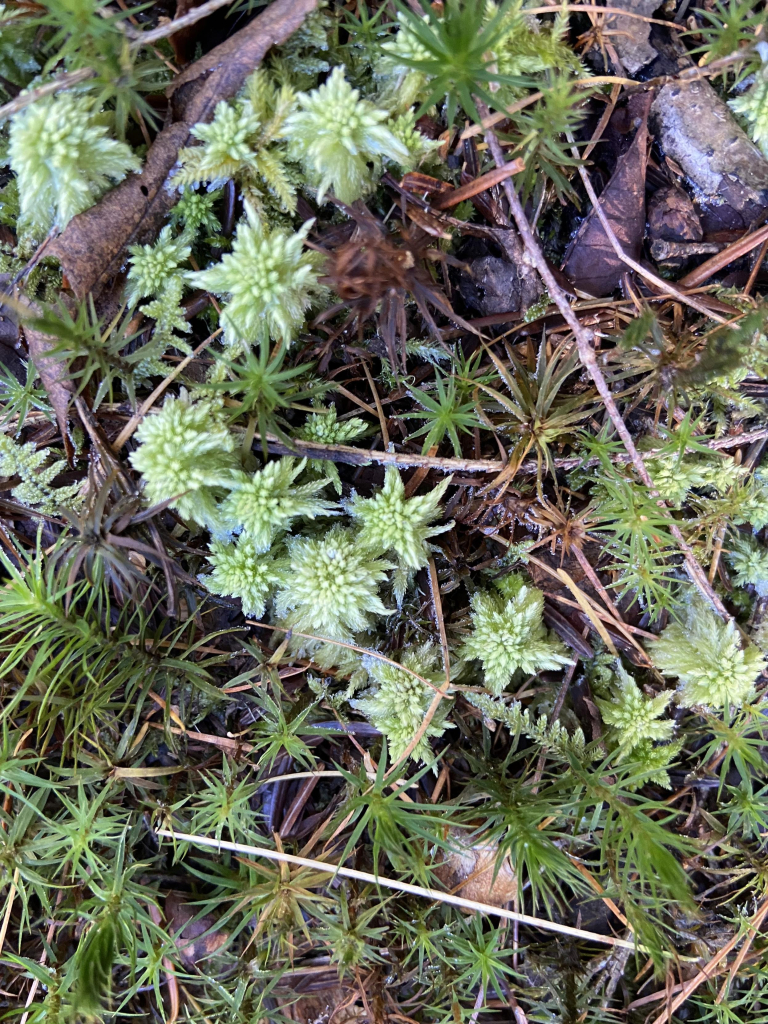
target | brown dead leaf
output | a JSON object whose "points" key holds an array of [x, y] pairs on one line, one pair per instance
{"points": [[590, 261], [468, 871], [184, 41], [91, 249], [191, 941]]}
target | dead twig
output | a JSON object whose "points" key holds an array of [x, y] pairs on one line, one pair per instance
{"points": [[58, 83], [584, 342]]}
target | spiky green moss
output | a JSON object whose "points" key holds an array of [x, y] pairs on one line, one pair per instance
{"points": [[241, 570], [390, 522], [186, 454], [332, 586], [64, 159], [340, 139], [705, 655], [508, 634], [397, 701], [267, 503], [269, 280]]}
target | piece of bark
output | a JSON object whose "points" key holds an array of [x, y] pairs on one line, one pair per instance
{"points": [[631, 36], [92, 247], [591, 262], [696, 129], [54, 375], [672, 217]]}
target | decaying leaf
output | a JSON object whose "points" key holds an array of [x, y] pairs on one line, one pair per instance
{"points": [[591, 262], [196, 941]]}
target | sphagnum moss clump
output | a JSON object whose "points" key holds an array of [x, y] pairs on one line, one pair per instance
{"points": [[269, 281], [508, 634], [64, 160], [186, 453]]}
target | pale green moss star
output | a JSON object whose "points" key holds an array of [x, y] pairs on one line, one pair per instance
{"points": [[332, 586], [64, 159], [391, 522], [633, 717], [265, 504], [749, 561], [153, 267], [269, 280], [397, 701], [324, 428], [241, 570], [340, 139], [508, 634], [705, 655], [186, 453]]}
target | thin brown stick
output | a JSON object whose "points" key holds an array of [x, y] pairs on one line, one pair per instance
{"points": [[350, 456], [400, 886], [756, 269], [379, 408], [481, 184], [170, 28], [718, 262], [66, 80], [146, 405], [584, 343]]}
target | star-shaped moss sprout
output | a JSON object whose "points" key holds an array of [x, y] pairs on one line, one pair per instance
{"points": [[269, 280], [332, 586], [391, 522], [186, 453], [340, 140], [397, 701], [508, 634], [634, 718], [706, 656], [266, 503], [64, 159], [241, 570]]}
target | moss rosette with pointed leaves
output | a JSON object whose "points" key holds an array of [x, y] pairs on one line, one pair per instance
{"points": [[187, 453], [390, 522], [241, 570], [336, 135], [324, 428], [634, 719], [397, 702], [154, 267], [269, 280], [706, 657], [508, 634], [332, 586], [64, 159], [264, 504], [749, 561]]}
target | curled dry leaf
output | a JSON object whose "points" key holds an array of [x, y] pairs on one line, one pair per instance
{"points": [[591, 262], [195, 939]]}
